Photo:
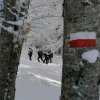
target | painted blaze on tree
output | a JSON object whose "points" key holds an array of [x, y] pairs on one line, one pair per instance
{"points": [[80, 77], [82, 39]]}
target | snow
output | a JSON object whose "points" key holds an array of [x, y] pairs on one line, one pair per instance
{"points": [[38, 81], [9, 29], [19, 22], [91, 55], [31, 91]]}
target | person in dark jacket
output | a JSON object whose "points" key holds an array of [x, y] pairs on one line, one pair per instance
{"points": [[50, 55], [30, 52], [40, 56], [46, 58]]}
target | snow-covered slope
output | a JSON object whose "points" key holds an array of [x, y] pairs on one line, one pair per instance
{"points": [[38, 81]]}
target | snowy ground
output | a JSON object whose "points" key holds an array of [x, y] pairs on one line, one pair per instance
{"points": [[38, 81]]}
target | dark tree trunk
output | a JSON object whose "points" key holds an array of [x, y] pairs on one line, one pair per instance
{"points": [[9, 56], [10, 52], [80, 16]]}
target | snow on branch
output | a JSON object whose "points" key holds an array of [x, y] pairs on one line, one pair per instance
{"points": [[15, 14], [18, 23], [19, 34], [9, 29], [21, 12], [12, 12]]}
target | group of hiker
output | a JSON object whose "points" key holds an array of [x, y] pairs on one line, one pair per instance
{"points": [[45, 57]]}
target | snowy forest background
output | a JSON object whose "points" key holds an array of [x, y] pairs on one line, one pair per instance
{"points": [[47, 24], [37, 80]]}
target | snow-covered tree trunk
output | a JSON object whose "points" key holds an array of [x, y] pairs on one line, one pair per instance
{"points": [[80, 79], [9, 57], [9, 53]]}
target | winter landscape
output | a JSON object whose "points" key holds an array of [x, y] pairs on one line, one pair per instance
{"points": [[64, 33], [36, 80]]}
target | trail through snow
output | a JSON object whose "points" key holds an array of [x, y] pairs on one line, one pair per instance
{"points": [[38, 81]]}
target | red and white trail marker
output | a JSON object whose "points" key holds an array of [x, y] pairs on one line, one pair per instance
{"points": [[82, 39]]}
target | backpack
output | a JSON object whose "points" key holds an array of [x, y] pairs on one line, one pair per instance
{"points": [[51, 55]]}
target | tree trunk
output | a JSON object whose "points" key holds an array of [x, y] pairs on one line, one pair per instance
{"points": [[10, 52], [80, 83]]}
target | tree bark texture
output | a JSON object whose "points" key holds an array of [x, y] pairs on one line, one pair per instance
{"points": [[10, 52], [80, 83]]}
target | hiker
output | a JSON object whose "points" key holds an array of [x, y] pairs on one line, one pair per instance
{"points": [[46, 58], [40, 56], [30, 52], [50, 55]]}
